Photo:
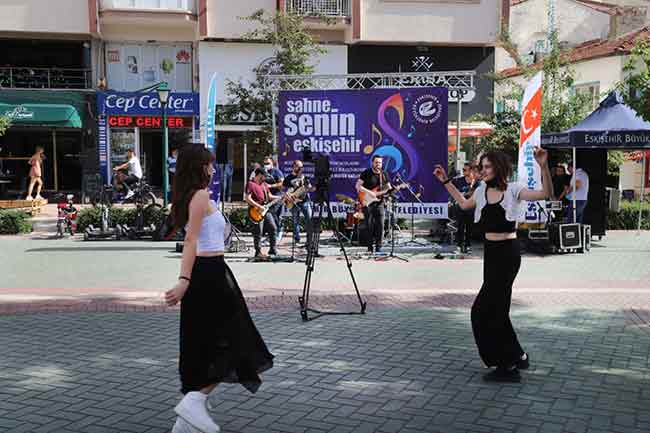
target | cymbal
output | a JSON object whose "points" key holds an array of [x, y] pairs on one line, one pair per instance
{"points": [[345, 199]]}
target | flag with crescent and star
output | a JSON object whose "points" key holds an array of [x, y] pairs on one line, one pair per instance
{"points": [[528, 172]]}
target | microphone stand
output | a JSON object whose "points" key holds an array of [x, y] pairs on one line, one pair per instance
{"points": [[414, 197]]}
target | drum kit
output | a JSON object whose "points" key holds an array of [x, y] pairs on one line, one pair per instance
{"points": [[354, 228]]}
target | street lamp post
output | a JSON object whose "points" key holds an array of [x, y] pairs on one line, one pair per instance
{"points": [[163, 96]]}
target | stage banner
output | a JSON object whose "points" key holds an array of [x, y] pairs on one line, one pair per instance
{"points": [[407, 127], [528, 171]]}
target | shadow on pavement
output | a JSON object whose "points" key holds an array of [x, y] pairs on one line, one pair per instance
{"points": [[399, 370]]}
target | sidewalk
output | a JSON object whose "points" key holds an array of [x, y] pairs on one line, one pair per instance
{"points": [[396, 370]]}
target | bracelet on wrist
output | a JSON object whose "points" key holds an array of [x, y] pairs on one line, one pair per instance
{"points": [[184, 278], [447, 181]]}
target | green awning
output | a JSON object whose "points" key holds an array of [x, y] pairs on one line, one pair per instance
{"points": [[52, 115]]}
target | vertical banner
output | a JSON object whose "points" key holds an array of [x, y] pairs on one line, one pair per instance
{"points": [[210, 136], [407, 127], [528, 172], [104, 167]]}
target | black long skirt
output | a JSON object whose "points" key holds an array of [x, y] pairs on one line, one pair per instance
{"points": [[495, 337], [219, 342]]}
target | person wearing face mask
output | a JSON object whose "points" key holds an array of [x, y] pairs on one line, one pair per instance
{"points": [[497, 204], [219, 342], [275, 180], [302, 204]]}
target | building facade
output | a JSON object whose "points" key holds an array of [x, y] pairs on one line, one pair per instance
{"points": [[47, 78]]}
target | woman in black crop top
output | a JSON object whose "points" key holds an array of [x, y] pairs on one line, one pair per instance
{"points": [[496, 205]]}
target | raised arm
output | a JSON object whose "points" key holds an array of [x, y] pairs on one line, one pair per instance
{"points": [[464, 203], [541, 156]]}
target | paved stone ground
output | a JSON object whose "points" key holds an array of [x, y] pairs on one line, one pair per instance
{"points": [[396, 370]]}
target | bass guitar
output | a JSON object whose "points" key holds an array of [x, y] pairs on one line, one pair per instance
{"points": [[369, 196]]}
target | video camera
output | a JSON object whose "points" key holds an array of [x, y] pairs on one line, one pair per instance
{"points": [[322, 172]]}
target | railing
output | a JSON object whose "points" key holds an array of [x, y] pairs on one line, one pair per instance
{"points": [[45, 78], [326, 8], [163, 5]]}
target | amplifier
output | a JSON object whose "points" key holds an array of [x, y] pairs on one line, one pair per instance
{"points": [[566, 236], [554, 206], [538, 235]]}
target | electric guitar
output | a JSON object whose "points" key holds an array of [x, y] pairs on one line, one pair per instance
{"points": [[369, 196], [257, 215], [298, 195]]}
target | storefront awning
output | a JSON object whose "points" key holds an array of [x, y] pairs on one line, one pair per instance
{"points": [[52, 115], [470, 129]]}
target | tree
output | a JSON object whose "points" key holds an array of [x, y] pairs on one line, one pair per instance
{"points": [[5, 123], [294, 48], [635, 86], [562, 107]]}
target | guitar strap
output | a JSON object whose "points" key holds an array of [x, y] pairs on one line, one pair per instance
{"points": [[266, 195]]}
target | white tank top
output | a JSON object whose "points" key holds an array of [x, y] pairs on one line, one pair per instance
{"points": [[211, 236]]}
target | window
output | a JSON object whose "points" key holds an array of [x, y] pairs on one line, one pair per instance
{"points": [[592, 90]]}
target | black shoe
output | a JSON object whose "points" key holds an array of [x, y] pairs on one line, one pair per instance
{"points": [[523, 364], [370, 250], [273, 252], [503, 375]]}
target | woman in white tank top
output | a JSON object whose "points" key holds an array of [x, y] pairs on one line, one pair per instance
{"points": [[218, 339]]}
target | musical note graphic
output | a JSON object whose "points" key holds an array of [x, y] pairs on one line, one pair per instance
{"points": [[411, 132], [369, 148]]}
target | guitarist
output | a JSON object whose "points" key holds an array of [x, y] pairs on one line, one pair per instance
{"points": [[302, 204], [372, 182], [257, 195]]}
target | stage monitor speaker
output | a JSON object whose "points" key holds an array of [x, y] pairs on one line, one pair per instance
{"points": [[566, 236]]}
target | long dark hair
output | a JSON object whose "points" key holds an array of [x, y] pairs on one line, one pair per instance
{"points": [[501, 166], [190, 177]]}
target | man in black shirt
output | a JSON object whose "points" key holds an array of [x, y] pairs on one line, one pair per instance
{"points": [[373, 184], [302, 203], [274, 180], [465, 218]]}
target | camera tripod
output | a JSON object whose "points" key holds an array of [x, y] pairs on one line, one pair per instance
{"points": [[312, 252]]}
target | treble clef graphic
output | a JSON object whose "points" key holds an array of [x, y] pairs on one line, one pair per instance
{"points": [[396, 102]]}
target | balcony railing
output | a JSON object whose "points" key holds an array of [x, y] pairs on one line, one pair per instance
{"points": [[45, 78], [326, 8], [162, 5]]}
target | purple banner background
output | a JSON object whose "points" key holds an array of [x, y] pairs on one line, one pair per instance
{"points": [[408, 127]]}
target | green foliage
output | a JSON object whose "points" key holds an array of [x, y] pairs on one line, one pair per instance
{"points": [[13, 222], [562, 108], [118, 215], [294, 48], [635, 87], [5, 123], [628, 216]]}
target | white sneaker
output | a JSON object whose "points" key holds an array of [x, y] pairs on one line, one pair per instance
{"points": [[39, 197], [129, 195], [193, 410], [182, 426], [29, 198]]}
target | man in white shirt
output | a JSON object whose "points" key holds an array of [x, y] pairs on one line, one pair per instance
{"points": [[581, 179], [134, 171]]}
